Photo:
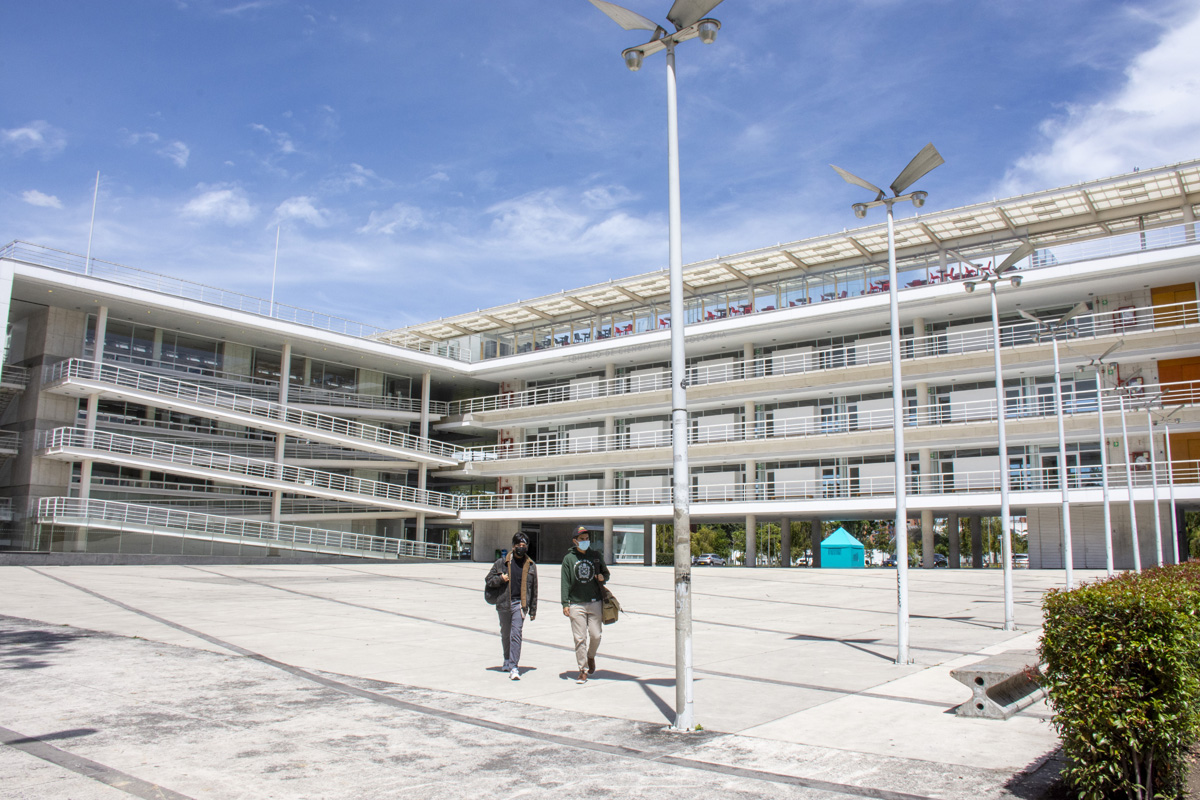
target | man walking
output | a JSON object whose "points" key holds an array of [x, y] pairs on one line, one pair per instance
{"points": [[583, 576], [516, 576]]}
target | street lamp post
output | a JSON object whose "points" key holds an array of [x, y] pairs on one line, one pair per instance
{"points": [[1053, 329], [922, 163], [1133, 526], [1098, 365], [1171, 484], [1158, 548], [991, 280], [688, 17]]}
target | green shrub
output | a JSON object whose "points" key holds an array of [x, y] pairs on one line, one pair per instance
{"points": [[1124, 680]]}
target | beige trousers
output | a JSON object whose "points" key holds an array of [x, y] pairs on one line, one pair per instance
{"points": [[586, 624]]}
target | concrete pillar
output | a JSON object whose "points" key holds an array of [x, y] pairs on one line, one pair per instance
{"points": [[927, 539], [955, 551], [924, 464], [751, 559], [93, 408], [6, 286], [422, 469], [747, 357], [785, 541], [976, 541], [93, 402], [649, 546], [609, 556], [815, 538], [749, 410], [918, 337], [285, 369], [922, 397]]}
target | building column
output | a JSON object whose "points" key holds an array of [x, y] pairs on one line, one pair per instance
{"points": [[93, 409], [924, 465], [751, 559], [1189, 217], [952, 533], [422, 469], [610, 483], [649, 546], [976, 541], [785, 541], [918, 337], [747, 357], [815, 538], [285, 371], [93, 401], [923, 416]]}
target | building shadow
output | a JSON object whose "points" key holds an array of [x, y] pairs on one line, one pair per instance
{"points": [[32, 648]]}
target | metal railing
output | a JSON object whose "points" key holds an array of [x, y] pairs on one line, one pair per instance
{"points": [[106, 513], [13, 375], [250, 470], [164, 386], [936, 414], [1121, 322], [267, 389], [844, 488]]}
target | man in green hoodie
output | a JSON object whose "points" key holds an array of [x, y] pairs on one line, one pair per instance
{"points": [[583, 576]]}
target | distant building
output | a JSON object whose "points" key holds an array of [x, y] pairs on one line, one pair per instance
{"points": [[144, 413]]}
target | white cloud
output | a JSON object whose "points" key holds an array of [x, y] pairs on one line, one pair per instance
{"points": [[227, 205], [1153, 119], [138, 138], [38, 137], [555, 223], [177, 152], [282, 141], [400, 217], [35, 198], [302, 209]]}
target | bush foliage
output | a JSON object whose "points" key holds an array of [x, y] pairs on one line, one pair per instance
{"points": [[1124, 680]]}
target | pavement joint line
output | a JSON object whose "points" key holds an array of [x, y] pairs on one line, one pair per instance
{"points": [[642, 662], [452, 716], [94, 770]]}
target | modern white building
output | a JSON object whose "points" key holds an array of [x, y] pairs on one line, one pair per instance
{"points": [[144, 413]]}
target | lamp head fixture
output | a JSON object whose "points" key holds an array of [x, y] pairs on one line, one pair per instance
{"points": [[918, 198], [708, 30], [1015, 280], [860, 210], [969, 286], [633, 60]]}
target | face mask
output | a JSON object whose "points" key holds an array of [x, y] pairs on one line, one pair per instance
{"points": [[520, 552], [582, 545]]}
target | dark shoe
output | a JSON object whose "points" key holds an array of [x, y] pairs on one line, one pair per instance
{"points": [[591, 666], [582, 676]]}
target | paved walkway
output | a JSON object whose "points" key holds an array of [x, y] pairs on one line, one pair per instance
{"points": [[364, 681]]}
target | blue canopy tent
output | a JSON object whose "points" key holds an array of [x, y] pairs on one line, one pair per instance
{"points": [[840, 550]]}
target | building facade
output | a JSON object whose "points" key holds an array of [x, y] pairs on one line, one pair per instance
{"points": [[143, 413]]}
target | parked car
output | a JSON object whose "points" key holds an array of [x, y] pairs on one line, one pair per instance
{"points": [[464, 554], [888, 561], [1020, 560], [708, 560], [939, 561]]}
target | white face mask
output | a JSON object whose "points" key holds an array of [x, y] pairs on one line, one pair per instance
{"points": [[583, 545]]}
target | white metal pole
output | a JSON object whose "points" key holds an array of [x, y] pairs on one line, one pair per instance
{"points": [[274, 269], [1108, 542], [680, 478], [1133, 527], [87, 262], [1010, 623], [1063, 472], [902, 655], [1171, 488], [1158, 548]]}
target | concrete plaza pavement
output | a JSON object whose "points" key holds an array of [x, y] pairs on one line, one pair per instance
{"points": [[383, 680]]}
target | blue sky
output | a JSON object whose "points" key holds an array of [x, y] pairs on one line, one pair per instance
{"points": [[428, 159]]}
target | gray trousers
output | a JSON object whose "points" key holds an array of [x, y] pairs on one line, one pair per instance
{"points": [[512, 621]]}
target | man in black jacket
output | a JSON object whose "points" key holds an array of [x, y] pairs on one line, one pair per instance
{"points": [[516, 576]]}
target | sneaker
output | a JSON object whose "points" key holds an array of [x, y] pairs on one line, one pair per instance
{"points": [[591, 666], [582, 676], [514, 675]]}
